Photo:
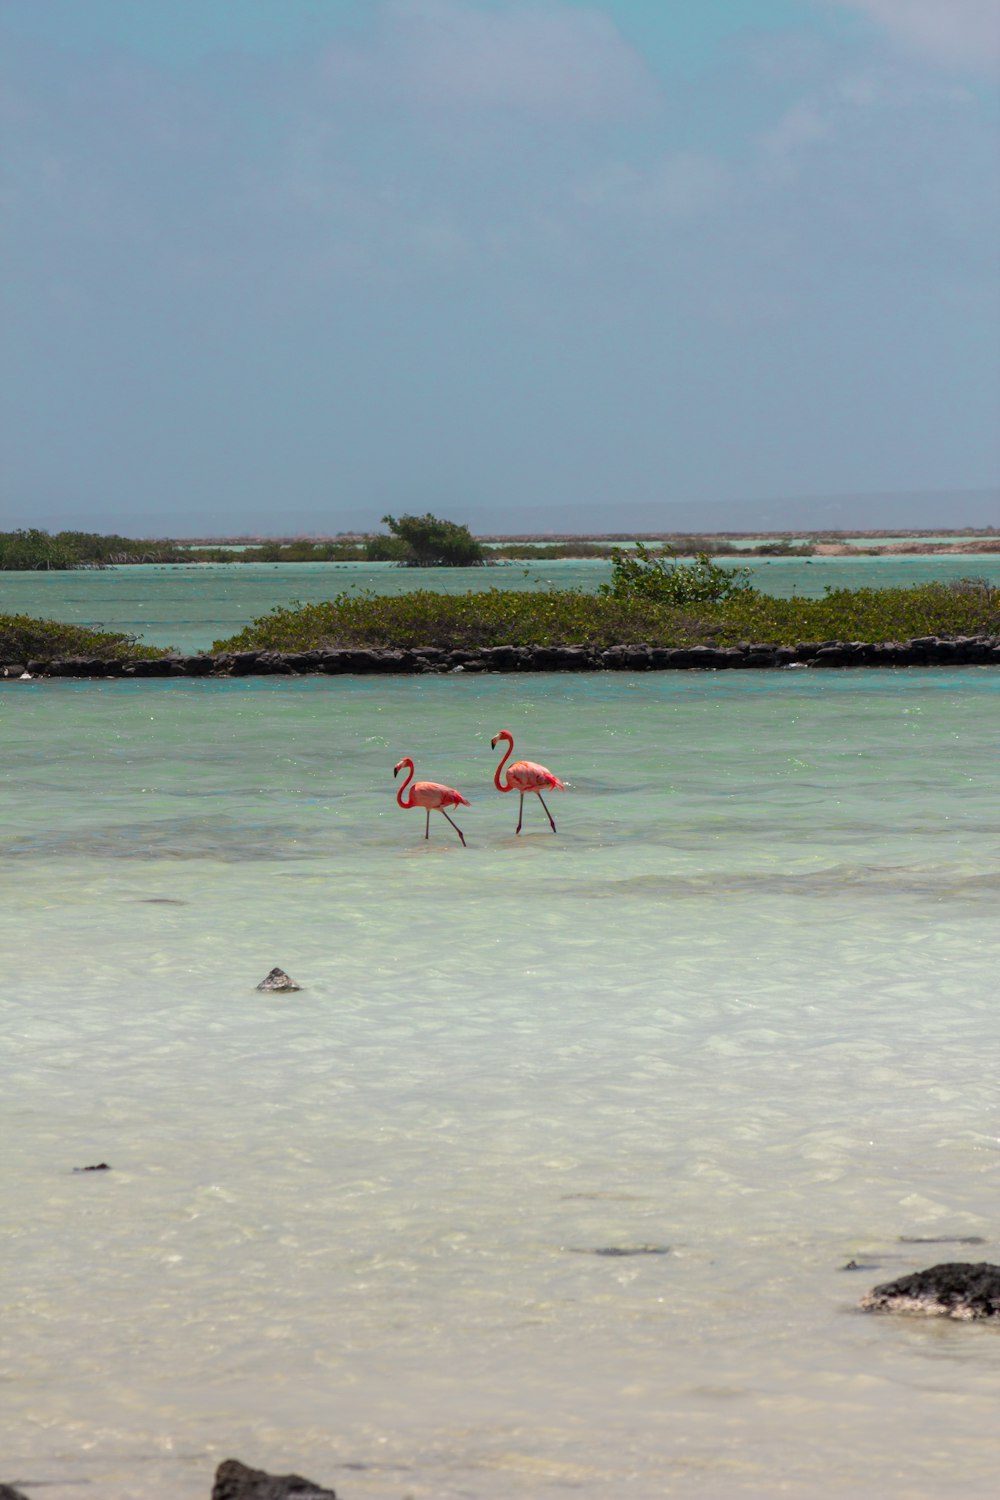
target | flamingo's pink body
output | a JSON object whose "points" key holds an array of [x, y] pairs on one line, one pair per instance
{"points": [[524, 776], [430, 795]]}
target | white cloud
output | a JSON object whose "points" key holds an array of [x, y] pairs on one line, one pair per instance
{"points": [[532, 59], [955, 33]]}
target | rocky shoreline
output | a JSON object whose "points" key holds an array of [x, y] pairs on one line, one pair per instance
{"points": [[922, 651]]}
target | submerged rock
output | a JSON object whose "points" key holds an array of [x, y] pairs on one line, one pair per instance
{"points": [[100, 1166], [278, 980], [621, 1250], [954, 1289], [234, 1481], [7, 1492], [941, 1239]]}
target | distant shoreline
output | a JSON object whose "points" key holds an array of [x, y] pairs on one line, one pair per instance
{"points": [[820, 536]]}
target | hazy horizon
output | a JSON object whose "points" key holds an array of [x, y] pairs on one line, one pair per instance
{"points": [[546, 265], [922, 512]]}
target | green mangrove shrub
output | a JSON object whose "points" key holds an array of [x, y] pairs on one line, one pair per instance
{"points": [[431, 542], [497, 617], [642, 574], [32, 549], [24, 638]]}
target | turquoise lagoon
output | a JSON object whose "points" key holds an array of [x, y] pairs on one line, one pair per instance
{"points": [[190, 605], [739, 1013]]}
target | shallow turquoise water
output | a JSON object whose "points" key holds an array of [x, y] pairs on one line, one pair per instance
{"points": [[191, 605], [742, 1006]]}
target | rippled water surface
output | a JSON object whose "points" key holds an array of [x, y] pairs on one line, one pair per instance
{"points": [[190, 605], [739, 1013]]}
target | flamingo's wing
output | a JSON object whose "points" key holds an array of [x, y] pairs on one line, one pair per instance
{"points": [[436, 794], [528, 776]]}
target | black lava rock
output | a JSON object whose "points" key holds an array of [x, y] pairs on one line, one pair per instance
{"points": [[278, 980], [954, 1289], [234, 1481], [622, 1250]]}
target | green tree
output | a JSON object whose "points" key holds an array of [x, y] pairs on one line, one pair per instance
{"points": [[21, 551], [432, 542], [386, 549], [658, 577]]}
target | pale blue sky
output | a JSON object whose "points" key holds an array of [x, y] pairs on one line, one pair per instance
{"points": [[282, 265]]}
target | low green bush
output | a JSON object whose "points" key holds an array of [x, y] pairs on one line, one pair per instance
{"points": [[658, 577], [498, 617], [24, 639]]}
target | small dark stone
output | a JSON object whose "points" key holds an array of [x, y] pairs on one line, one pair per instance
{"points": [[278, 980], [955, 1289], [161, 666], [502, 658], [101, 1166], [305, 661], [623, 1250], [234, 1481], [272, 664], [244, 663], [861, 1265], [195, 666], [8, 1492], [941, 1239]]}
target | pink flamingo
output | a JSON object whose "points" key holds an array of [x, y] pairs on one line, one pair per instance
{"points": [[430, 794], [524, 776]]}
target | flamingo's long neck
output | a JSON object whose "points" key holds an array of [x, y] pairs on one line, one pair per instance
{"points": [[402, 789], [496, 775]]}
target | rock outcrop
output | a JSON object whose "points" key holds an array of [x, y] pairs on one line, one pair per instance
{"points": [[922, 651], [955, 1289], [278, 980], [234, 1481]]}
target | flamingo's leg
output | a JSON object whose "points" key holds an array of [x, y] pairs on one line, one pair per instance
{"points": [[520, 815], [547, 813], [454, 825], [427, 825]]}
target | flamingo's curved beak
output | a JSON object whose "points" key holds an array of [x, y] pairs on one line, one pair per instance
{"points": [[493, 742], [396, 769]]}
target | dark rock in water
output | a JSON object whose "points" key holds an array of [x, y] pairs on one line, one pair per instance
{"points": [[234, 1481], [955, 1289], [941, 1239], [861, 1265], [7, 1492], [101, 1166], [278, 980], [623, 1250]]}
